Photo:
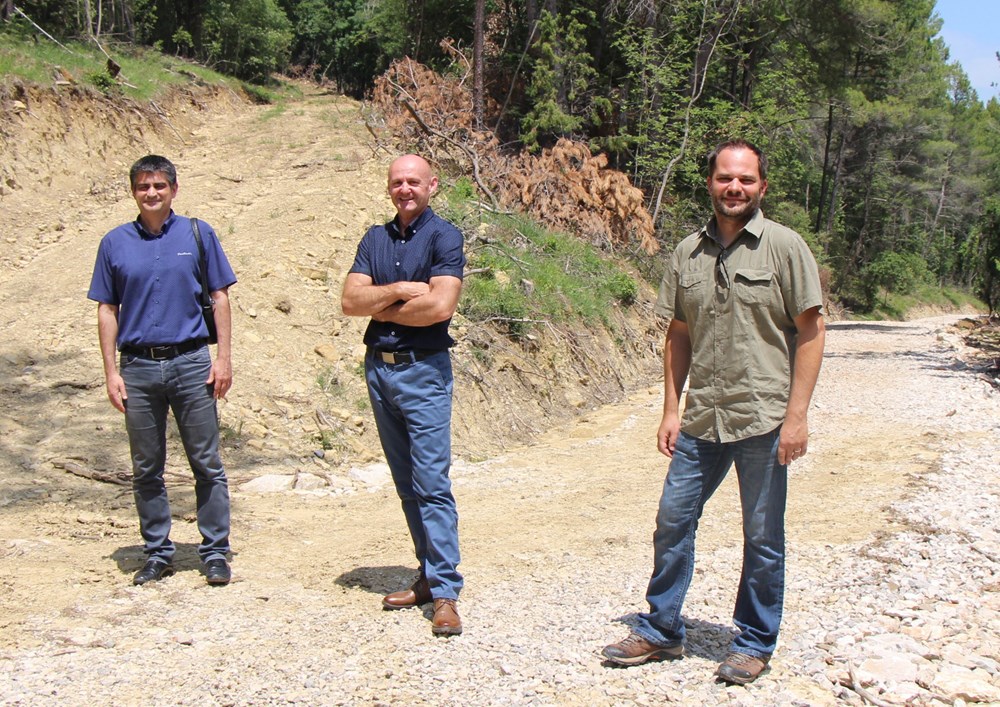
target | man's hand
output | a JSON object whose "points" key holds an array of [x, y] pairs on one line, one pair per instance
{"points": [[666, 436], [221, 377], [411, 290], [794, 440], [116, 391]]}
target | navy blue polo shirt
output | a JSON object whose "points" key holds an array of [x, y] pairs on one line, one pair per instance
{"points": [[430, 247], [156, 282]]}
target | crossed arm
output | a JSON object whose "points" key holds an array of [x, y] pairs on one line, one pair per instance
{"points": [[406, 303]]}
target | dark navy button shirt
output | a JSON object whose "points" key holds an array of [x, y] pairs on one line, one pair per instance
{"points": [[430, 247], [155, 280]]}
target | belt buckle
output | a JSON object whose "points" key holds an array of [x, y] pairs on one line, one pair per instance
{"points": [[387, 356], [165, 350]]}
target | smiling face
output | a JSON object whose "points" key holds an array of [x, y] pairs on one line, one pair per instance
{"points": [[735, 185], [153, 194], [411, 184]]}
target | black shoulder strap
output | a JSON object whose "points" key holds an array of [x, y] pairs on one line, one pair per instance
{"points": [[206, 296]]}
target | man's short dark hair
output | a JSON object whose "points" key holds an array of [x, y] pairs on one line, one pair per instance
{"points": [[153, 163], [738, 144]]}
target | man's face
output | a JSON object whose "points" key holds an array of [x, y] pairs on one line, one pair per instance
{"points": [[153, 194], [410, 187], [735, 186]]}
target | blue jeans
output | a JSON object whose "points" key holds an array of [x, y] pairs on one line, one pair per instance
{"points": [[412, 407], [696, 470], [153, 387]]}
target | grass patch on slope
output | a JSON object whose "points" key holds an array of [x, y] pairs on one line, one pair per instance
{"points": [[522, 275], [145, 74]]}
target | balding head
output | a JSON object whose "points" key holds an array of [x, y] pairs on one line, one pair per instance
{"points": [[411, 183]]}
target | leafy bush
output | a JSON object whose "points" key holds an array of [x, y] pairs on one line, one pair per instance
{"points": [[893, 272]]}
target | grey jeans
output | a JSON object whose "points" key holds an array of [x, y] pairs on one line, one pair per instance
{"points": [[153, 388]]}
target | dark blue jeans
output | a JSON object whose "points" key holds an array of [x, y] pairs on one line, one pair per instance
{"points": [[153, 388], [696, 470], [412, 407]]}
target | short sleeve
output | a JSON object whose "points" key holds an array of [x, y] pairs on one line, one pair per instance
{"points": [[449, 253], [666, 301], [102, 284], [362, 258], [801, 287], [220, 272]]}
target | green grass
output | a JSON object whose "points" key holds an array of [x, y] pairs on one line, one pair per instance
{"points": [[898, 307], [530, 275], [149, 74]]}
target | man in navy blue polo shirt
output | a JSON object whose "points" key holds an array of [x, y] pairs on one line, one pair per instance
{"points": [[407, 277], [154, 343]]}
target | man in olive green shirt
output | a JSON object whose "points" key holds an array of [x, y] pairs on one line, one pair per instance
{"points": [[746, 332]]}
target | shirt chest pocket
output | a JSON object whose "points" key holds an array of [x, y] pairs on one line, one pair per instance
{"points": [[754, 287], [690, 291]]}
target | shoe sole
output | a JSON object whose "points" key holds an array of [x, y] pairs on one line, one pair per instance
{"points": [[218, 581], [446, 630], [394, 607], [663, 654], [734, 680]]}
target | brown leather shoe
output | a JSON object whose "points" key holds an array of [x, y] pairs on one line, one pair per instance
{"points": [[635, 650], [740, 668], [446, 620], [418, 593]]}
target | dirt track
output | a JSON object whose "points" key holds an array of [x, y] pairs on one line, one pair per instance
{"points": [[555, 535]]}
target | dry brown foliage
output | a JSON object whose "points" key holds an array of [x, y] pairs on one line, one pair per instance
{"points": [[566, 187]]}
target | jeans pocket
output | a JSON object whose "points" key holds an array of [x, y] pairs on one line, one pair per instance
{"points": [[199, 355]]}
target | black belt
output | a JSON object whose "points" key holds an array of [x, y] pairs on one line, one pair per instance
{"points": [[163, 353], [394, 357]]}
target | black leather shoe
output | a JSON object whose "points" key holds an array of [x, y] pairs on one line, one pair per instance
{"points": [[152, 571], [217, 572]]}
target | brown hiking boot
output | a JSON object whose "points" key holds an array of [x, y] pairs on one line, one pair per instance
{"points": [[740, 668], [636, 650]]}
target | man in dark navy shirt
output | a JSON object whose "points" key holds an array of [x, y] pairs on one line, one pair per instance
{"points": [[154, 341], [407, 277]]}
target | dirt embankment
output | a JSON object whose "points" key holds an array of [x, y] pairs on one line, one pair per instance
{"points": [[290, 189]]}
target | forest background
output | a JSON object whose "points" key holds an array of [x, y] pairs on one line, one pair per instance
{"points": [[883, 156]]}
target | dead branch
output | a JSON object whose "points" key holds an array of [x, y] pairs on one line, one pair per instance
{"points": [[163, 116], [119, 478], [473, 157], [862, 692], [21, 13]]}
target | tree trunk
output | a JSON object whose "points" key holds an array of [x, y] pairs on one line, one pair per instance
{"points": [[838, 169], [128, 21], [941, 192], [6, 10], [826, 171], [88, 18], [479, 27]]}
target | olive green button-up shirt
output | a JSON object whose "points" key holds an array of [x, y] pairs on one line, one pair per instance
{"points": [[739, 304]]}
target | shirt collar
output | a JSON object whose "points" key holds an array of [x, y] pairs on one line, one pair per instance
{"points": [[393, 226], [143, 233], [754, 229]]}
